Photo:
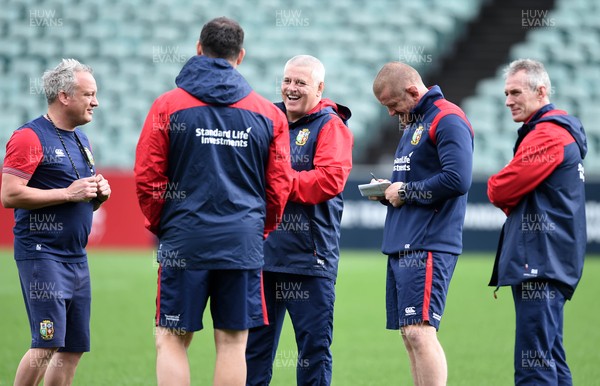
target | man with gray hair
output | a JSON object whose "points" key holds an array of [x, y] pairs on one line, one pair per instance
{"points": [[542, 244], [49, 178], [301, 256]]}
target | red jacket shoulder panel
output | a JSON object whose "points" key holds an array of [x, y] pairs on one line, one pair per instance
{"points": [[446, 108], [332, 164], [536, 158]]}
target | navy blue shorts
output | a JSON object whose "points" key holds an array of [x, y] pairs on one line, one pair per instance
{"points": [[236, 299], [58, 299], [417, 284]]}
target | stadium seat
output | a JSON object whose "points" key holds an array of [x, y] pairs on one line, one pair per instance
{"points": [[525, 50], [589, 113], [99, 30], [13, 11], [493, 87], [589, 77], [82, 49], [82, 12], [563, 102], [485, 106], [461, 9], [13, 48], [546, 38], [558, 71], [24, 31], [570, 55], [12, 118], [168, 32], [67, 31], [442, 24]]}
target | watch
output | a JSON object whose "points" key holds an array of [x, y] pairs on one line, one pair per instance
{"points": [[402, 192]]}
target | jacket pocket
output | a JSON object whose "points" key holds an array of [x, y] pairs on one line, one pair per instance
{"points": [[296, 228]]}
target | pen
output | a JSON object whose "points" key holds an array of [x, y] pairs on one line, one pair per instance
{"points": [[376, 179]]}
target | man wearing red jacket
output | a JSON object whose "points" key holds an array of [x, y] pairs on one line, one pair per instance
{"points": [[301, 256], [213, 176], [542, 244]]}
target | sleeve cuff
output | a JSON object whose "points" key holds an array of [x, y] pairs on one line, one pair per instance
{"points": [[16, 172]]}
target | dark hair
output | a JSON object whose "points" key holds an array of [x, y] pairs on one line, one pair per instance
{"points": [[222, 38]]}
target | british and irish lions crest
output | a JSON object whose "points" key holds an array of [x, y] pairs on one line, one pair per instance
{"points": [[89, 155], [302, 137], [47, 329], [417, 135]]}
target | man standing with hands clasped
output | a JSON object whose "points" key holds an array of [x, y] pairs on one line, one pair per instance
{"points": [[49, 178], [426, 209], [542, 244]]}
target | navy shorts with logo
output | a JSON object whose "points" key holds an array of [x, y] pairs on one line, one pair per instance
{"points": [[236, 298], [57, 298], [417, 285]]}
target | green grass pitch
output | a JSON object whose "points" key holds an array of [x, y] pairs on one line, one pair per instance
{"points": [[477, 331]]}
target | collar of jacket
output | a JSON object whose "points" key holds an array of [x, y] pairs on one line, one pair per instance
{"points": [[529, 126], [425, 103], [325, 106], [212, 80]]}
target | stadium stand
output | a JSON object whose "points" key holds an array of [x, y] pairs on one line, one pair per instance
{"points": [[568, 45], [138, 47], [565, 35]]}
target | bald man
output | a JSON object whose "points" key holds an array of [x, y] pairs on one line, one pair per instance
{"points": [[426, 209]]}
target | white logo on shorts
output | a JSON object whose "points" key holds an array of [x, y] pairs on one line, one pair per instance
{"points": [[172, 318], [409, 311], [437, 316]]}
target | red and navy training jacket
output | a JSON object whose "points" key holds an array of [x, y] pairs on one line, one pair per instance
{"points": [[306, 241], [435, 159], [542, 193], [212, 170]]}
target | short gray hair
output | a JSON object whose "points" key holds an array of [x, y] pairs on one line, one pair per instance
{"points": [[62, 78], [536, 73], [318, 70]]}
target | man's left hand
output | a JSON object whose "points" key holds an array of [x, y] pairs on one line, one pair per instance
{"points": [[103, 192], [391, 194]]}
